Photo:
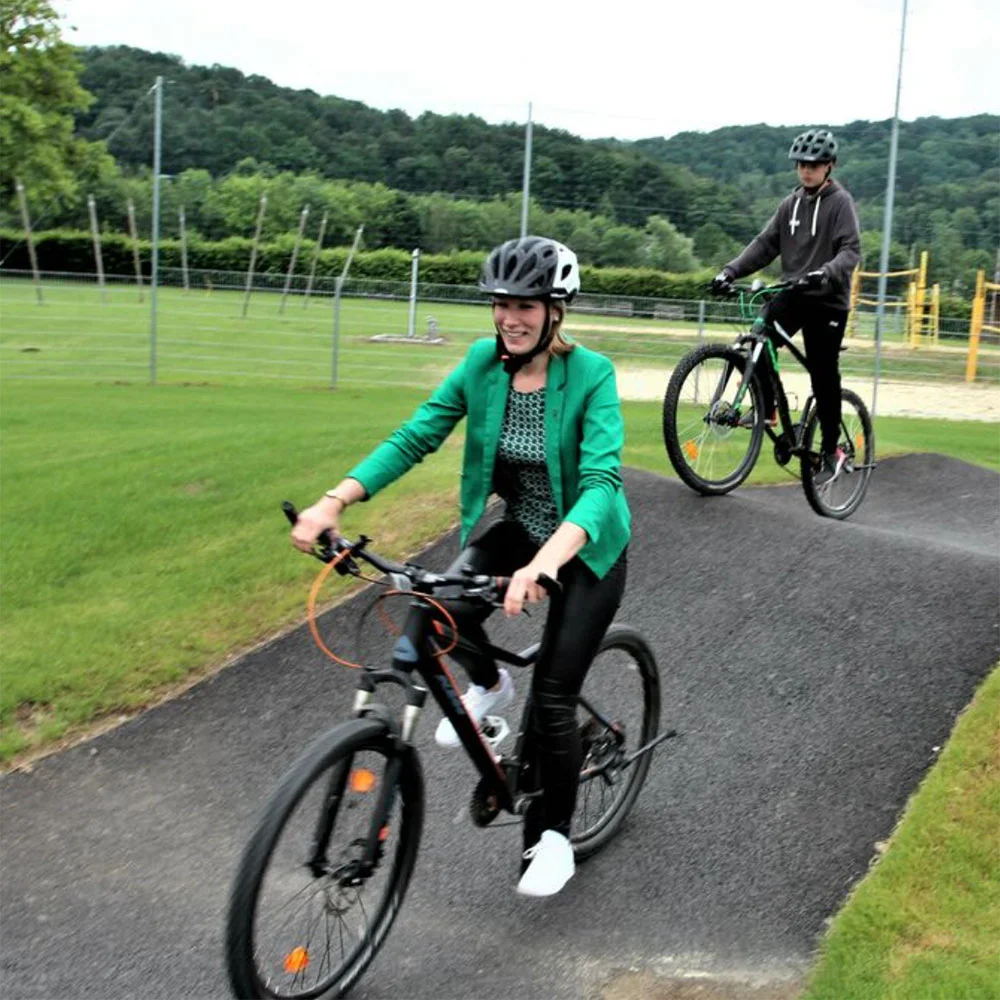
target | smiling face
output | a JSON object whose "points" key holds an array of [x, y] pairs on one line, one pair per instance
{"points": [[519, 322]]}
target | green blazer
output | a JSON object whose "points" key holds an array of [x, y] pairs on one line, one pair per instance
{"points": [[584, 434]]}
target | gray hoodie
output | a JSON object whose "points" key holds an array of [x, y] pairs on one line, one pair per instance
{"points": [[810, 232]]}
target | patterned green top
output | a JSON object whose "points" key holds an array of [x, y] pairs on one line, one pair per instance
{"points": [[521, 475]]}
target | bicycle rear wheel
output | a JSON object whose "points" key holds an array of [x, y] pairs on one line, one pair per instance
{"points": [[840, 497], [306, 914], [619, 712], [711, 441]]}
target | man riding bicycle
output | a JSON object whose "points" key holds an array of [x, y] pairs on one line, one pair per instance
{"points": [[815, 231]]}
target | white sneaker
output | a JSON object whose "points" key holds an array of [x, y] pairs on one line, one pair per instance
{"points": [[479, 702], [552, 866]]}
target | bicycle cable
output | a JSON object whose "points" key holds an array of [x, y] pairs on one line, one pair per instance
{"points": [[394, 592]]}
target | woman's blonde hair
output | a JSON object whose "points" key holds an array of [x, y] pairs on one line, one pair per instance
{"points": [[559, 345]]}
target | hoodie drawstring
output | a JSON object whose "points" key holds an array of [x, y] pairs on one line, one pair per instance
{"points": [[819, 198]]}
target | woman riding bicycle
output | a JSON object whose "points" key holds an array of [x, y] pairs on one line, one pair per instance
{"points": [[815, 231], [544, 431]]}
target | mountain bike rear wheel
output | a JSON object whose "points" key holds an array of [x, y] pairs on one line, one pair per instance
{"points": [[840, 497], [712, 439], [306, 913], [619, 712]]}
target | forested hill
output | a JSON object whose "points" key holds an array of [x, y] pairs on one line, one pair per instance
{"points": [[716, 188], [947, 172], [214, 117]]}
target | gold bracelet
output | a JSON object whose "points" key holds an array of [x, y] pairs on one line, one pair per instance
{"points": [[334, 495]]}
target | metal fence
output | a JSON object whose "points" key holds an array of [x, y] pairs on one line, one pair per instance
{"points": [[371, 334]]}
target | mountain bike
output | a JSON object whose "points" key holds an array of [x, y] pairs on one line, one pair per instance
{"points": [[325, 871], [714, 421]]}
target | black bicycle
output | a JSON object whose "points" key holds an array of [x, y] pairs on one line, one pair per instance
{"points": [[714, 421], [326, 869]]}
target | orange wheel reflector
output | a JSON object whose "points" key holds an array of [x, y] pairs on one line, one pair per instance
{"points": [[296, 961], [362, 780], [859, 440], [691, 449], [383, 834]]}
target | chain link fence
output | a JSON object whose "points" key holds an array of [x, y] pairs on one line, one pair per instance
{"points": [[74, 326]]}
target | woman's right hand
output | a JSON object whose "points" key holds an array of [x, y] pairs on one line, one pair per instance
{"points": [[324, 515]]}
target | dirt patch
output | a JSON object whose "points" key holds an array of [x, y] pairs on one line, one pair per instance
{"points": [[948, 400], [648, 986]]}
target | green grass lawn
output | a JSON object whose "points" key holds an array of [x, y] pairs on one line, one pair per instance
{"points": [[202, 336]]}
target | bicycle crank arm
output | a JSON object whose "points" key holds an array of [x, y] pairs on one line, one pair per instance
{"points": [[652, 744]]}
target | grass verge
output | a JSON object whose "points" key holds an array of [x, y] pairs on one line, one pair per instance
{"points": [[925, 923]]}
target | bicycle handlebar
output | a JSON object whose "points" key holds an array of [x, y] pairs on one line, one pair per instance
{"points": [[731, 290], [475, 586]]}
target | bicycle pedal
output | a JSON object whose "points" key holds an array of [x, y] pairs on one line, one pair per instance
{"points": [[495, 729]]}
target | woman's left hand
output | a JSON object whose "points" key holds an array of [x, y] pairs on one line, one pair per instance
{"points": [[524, 586]]}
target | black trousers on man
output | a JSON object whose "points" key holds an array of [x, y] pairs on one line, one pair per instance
{"points": [[822, 329], [569, 644]]}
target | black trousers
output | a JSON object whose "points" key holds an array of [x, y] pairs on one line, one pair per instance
{"points": [[822, 329], [569, 644]]}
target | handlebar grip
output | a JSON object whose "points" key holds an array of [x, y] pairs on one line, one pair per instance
{"points": [[324, 538]]}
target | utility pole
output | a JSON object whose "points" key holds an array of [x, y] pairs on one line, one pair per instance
{"points": [[526, 182], [890, 194]]}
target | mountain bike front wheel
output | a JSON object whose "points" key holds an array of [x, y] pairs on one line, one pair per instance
{"points": [[712, 434], [310, 903], [841, 496], [618, 713]]}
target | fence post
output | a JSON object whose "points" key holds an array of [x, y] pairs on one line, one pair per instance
{"points": [[253, 251], [414, 270], [26, 221], [96, 237], [154, 263], [338, 288], [133, 232], [315, 260], [295, 257], [184, 249]]}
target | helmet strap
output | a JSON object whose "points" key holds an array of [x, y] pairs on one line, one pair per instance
{"points": [[513, 363]]}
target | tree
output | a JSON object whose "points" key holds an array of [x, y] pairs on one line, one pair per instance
{"points": [[667, 249], [39, 94]]}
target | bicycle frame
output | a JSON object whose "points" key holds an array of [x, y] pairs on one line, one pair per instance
{"points": [[758, 338]]}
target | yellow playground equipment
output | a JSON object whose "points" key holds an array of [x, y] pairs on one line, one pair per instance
{"points": [[923, 310], [977, 322]]}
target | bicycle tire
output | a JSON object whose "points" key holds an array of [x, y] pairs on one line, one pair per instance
{"points": [[251, 976], [606, 687], [696, 439], [842, 497]]}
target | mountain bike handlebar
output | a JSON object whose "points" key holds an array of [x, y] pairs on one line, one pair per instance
{"points": [[732, 289], [474, 586]]}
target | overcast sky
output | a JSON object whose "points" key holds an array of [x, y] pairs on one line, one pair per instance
{"points": [[627, 69]]}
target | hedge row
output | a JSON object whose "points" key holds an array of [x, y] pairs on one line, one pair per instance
{"points": [[69, 251]]}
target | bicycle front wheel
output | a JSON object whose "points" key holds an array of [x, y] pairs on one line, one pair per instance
{"points": [[309, 908], [712, 434], [619, 713], [840, 497]]}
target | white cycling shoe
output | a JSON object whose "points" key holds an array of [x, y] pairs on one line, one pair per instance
{"points": [[552, 866], [479, 702]]}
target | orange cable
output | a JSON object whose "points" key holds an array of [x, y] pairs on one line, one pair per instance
{"points": [[318, 639]]}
